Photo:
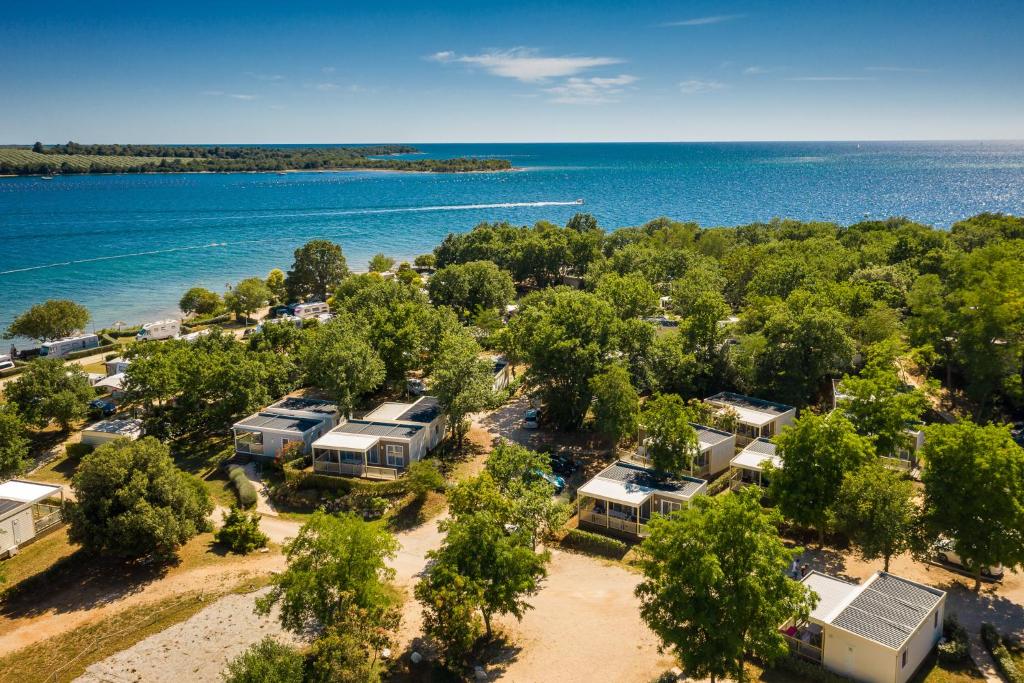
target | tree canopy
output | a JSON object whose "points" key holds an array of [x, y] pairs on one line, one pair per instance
{"points": [[200, 301], [13, 443], [461, 380], [50, 390], [319, 267], [50, 320], [670, 439], [875, 508], [469, 287]]}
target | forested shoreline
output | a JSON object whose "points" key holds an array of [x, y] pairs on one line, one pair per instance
{"points": [[74, 158]]}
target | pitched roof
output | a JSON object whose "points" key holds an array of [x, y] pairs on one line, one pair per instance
{"points": [[709, 437]]}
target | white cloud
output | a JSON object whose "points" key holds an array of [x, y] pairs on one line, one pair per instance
{"points": [[596, 90], [525, 64], [239, 96], [326, 87], [832, 78], [264, 77], [236, 96], [758, 70], [704, 21], [694, 86]]}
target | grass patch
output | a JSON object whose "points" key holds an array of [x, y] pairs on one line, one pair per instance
{"points": [[935, 671], [65, 657], [37, 557], [413, 512]]}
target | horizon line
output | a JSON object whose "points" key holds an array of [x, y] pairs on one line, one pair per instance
{"points": [[532, 142]]}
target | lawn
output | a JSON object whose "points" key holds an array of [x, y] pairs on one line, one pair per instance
{"points": [[37, 557]]}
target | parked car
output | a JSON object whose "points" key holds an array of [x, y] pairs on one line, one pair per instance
{"points": [[531, 419], [415, 386], [104, 407], [556, 481], [5, 362], [945, 552], [563, 464]]}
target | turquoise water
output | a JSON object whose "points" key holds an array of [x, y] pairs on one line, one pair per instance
{"points": [[127, 246]]}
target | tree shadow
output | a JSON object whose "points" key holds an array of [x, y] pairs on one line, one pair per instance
{"points": [[987, 605], [497, 654], [417, 512]]}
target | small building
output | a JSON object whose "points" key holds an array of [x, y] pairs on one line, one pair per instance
{"points": [[906, 456], [502, 370], [290, 420], [117, 366], [750, 464], [371, 449], [425, 412], [106, 431], [879, 631], [714, 450], [25, 512], [623, 496], [757, 417]]}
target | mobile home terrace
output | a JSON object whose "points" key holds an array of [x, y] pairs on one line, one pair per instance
{"points": [[749, 465], [292, 419], [757, 417], [24, 512], [623, 496], [363, 448]]}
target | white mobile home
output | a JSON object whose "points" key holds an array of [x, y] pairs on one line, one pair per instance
{"points": [[750, 465], [425, 412], [24, 512], [117, 366], [502, 373], [161, 329], [757, 417], [62, 347], [368, 448], [292, 419], [879, 631], [310, 310], [106, 431], [714, 450]]}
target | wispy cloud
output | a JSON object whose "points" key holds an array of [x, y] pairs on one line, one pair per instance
{"points": [[328, 69], [525, 64], [759, 70], [695, 87], [703, 21], [596, 90], [328, 86], [264, 77], [235, 96], [832, 78], [900, 69]]}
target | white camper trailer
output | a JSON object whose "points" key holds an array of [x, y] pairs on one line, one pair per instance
{"points": [[311, 309], [62, 347], [161, 329]]}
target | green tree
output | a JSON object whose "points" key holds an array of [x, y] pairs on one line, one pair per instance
{"points": [[53, 319], [670, 439], [424, 476], [875, 509], [133, 502], [240, 532], [248, 296], [974, 493], [565, 336], [50, 390], [350, 651], [276, 284], [318, 269], [715, 574], [268, 661], [469, 287], [631, 295], [817, 453], [450, 610], [616, 403], [880, 406], [337, 358], [13, 444], [335, 563], [425, 261], [380, 263], [199, 301], [462, 382]]}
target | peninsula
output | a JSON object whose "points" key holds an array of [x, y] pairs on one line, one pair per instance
{"points": [[74, 158]]}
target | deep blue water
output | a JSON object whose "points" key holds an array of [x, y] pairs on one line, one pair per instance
{"points": [[127, 246]]}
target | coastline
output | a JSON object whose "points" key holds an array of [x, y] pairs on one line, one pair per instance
{"points": [[282, 171]]}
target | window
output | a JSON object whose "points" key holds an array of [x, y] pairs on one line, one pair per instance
{"points": [[249, 442], [395, 455], [668, 507], [904, 664], [373, 456]]}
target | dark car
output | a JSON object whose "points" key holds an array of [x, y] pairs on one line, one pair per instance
{"points": [[103, 406], [556, 481], [563, 464]]}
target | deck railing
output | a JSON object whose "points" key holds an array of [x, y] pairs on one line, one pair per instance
{"points": [[49, 519], [803, 649], [355, 470], [615, 523]]}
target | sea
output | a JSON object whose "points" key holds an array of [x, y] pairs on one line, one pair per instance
{"points": [[127, 246]]}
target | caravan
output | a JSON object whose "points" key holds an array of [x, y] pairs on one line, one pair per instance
{"points": [[310, 310], [162, 329], [62, 347]]}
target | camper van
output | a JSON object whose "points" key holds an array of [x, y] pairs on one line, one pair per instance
{"points": [[311, 309], [162, 329], [193, 336], [62, 347], [5, 362]]}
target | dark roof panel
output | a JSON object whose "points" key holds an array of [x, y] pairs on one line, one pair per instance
{"points": [[424, 410], [888, 610], [642, 476]]}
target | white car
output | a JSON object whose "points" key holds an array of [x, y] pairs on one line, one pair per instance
{"points": [[945, 552], [5, 362]]}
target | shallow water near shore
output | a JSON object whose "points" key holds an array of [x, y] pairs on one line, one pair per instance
{"points": [[127, 246]]}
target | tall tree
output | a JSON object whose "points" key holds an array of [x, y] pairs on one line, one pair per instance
{"points": [[337, 358], [616, 403], [318, 269], [200, 301], [13, 444], [50, 390], [631, 295], [469, 287], [817, 452], [974, 493], [50, 320], [670, 440], [276, 284], [715, 575], [380, 263], [248, 296], [461, 380], [880, 406], [875, 509], [267, 661]]}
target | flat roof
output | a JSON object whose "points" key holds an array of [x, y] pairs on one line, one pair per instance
{"points": [[424, 410], [282, 423], [115, 381], [752, 411], [709, 437], [387, 411], [308, 405], [630, 484], [756, 455], [831, 591], [20, 492], [346, 441], [381, 429], [124, 427]]}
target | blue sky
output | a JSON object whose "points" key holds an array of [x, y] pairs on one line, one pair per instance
{"points": [[180, 72]]}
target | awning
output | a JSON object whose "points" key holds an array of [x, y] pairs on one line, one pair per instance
{"points": [[750, 460], [615, 491], [26, 491], [344, 441], [115, 382]]}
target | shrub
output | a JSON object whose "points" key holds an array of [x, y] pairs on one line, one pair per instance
{"points": [[76, 451], [244, 489], [806, 671], [291, 452], [241, 532], [588, 542], [955, 648], [1004, 661], [268, 661], [424, 476]]}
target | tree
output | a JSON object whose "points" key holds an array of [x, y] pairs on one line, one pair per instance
{"points": [[351, 650], [241, 532], [817, 453], [200, 301], [276, 284], [248, 296], [879, 405], [53, 319], [715, 575], [336, 562], [462, 382], [133, 502], [875, 509], [670, 439], [565, 335], [469, 287], [318, 269], [337, 358], [268, 661], [380, 263], [974, 494], [49, 390], [424, 476], [37, 147], [631, 295], [425, 261], [616, 404], [13, 444]]}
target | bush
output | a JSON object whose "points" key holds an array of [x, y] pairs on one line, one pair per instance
{"points": [[588, 542], [1004, 661], [423, 477], [241, 532], [806, 671], [75, 451], [244, 489], [955, 648], [268, 661]]}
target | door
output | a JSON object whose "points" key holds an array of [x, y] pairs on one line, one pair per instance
{"points": [[16, 530]]}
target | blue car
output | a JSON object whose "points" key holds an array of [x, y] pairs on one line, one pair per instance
{"points": [[102, 406], [556, 481]]}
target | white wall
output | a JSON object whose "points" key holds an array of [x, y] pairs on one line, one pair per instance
{"points": [[858, 658], [26, 530], [921, 643], [721, 454]]}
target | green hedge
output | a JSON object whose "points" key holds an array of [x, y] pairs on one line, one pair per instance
{"points": [[997, 648], [243, 487], [806, 671], [956, 648], [77, 451], [325, 482], [588, 542]]}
